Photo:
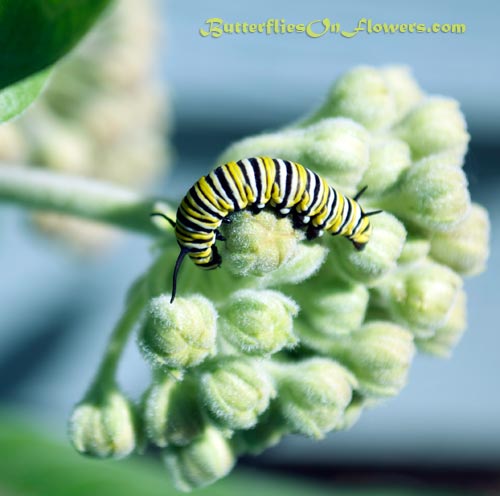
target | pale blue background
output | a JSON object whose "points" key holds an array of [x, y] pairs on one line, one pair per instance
{"points": [[56, 309]]}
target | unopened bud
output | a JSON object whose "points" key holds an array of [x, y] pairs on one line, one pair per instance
{"points": [[363, 95], [236, 391], [414, 250], [432, 196], [421, 296], [267, 433], [286, 143], [259, 322], [465, 248], [103, 426], [205, 460], [305, 262], [379, 256], [179, 334], [379, 354], [338, 149], [435, 126], [313, 395], [388, 159], [404, 89], [258, 244], [172, 413], [447, 336], [337, 309]]}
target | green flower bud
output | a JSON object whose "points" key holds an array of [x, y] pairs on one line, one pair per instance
{"points": [[180, 334], [267, 433], [465, 248], [258, 244], [434, 126], [338, 149], [201, 463], [102, 425], [388, 159], [305, 262], [414, 250], [352, 412], [172, 414], [284, 143], [380, 255], [431, 196], [363, 95], [421, 296], [404, 89], [379, 354], [337, 309], [313, 395], [236, 391], [259, 322], [446, 337]]}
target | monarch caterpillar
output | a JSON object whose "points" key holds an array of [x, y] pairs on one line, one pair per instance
{"points": [[253, 183]]}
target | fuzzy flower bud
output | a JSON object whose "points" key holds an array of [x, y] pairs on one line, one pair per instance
{"points": [[258, 244], [464, 248], [286, 143], [414, 250], [363, 95], [421, 296], [258, 322], [103, 426], [172, 414], [388, 159], [404, 89], [435, 126], [447, 336], [352, 413], [380, 255], [202, 462], [236, 391], [338, 308], [305, 262], [431, 196], [180, 334], [313, 395], [338, 149], [378, 354], [267, 433]]}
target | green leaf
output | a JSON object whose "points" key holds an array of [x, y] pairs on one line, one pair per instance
{"points": [[36, 33], [17, 97], [35, 465]]}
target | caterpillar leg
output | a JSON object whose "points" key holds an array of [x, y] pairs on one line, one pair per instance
{"points": [[313, 232], [255, 209], [218, 236]]}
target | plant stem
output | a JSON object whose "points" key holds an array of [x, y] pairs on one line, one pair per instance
{"points": [[106, 372], [87, 198]]}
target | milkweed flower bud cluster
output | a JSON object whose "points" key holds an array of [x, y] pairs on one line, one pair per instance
{"points": [[102, 115], [291, 336]]}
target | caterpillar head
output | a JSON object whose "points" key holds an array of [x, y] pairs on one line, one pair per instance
{"points": [[363, 231]]}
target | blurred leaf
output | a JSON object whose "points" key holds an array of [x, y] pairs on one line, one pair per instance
{"points": [[17, 97], [36, 33], [34, 465]]}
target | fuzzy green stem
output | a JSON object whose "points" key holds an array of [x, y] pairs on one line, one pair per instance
{"points": [[90, 199], [106, 372]]}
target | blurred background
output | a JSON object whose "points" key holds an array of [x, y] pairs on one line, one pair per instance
{"points": [[59, 301]]}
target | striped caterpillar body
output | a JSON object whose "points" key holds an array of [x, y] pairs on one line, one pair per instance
{"points": [[254, 183]]}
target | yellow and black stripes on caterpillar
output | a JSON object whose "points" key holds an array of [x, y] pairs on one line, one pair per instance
{"points": [[254, 183]]}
